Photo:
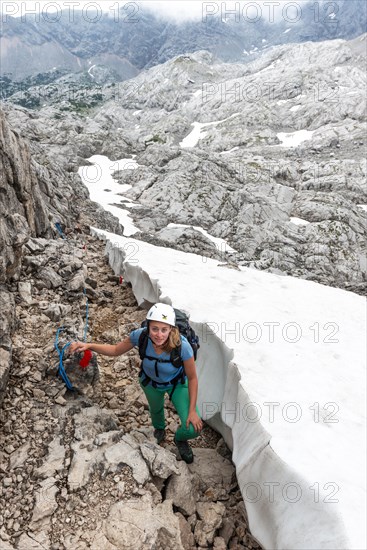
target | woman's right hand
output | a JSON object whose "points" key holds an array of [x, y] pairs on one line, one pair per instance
{"points": [[76, 347]]}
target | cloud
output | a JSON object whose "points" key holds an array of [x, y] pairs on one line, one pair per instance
{"points": [[195, 10], [171, 10], [180, 10], [177, 10]]}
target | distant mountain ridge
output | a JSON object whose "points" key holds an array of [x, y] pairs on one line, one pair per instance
{"points": [[127, 46], [268, 155]]}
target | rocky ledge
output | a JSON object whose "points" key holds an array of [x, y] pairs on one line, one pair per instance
{"points": [[81, 469]]}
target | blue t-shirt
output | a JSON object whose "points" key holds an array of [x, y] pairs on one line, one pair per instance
{"points": [[166, 371]]}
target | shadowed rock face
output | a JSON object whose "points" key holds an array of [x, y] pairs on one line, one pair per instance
{"points": [[36, 191], [22, 209], [23, 213], [34, 195]]}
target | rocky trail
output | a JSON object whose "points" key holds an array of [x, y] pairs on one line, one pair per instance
{"points": [[81, 469]]}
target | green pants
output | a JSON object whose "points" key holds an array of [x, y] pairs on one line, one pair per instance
{"points": [[181, 402]]}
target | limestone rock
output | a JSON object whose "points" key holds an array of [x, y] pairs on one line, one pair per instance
{"points": [[227, 530], [187, 537], [36, 245], [212, 469], [219, 544], [25, 291], [19, 457], [92, 421], [139, 524], [7, 318], [83, 463], [33, 541], [22, 209], [45, 503], [55, 312], [48, 278], [77, 282], [211, 518], [123, 453], [54, 461], [176, 489], [5, 363], [133, 395], [161, 463]]}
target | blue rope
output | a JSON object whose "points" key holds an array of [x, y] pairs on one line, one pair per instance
{"points": [[61, 352], [58, 227], [61, 371]]}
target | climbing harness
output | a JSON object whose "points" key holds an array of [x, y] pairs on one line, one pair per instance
{"points": [[180, 377]]}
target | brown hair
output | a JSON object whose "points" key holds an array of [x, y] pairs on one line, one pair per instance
{"points": [[173, 340]]}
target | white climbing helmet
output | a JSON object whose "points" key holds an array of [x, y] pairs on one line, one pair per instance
{"points": [[163, 313]]}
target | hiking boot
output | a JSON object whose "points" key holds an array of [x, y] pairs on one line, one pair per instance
{"points": [[159, 435], [185, 451]]}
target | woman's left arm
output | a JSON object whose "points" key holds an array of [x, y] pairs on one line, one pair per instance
{"points": [[193, 417]]}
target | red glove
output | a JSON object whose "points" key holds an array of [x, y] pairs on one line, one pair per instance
{"points": [[84, 361]]}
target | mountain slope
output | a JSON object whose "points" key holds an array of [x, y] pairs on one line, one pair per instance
{"points": [[277, 167], [127, 46]]}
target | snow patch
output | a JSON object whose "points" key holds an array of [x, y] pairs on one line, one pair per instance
{"points": [[299, 221], [104, 189], [293, 139], [289, 385], [89, 71], [191, 140], [221, 244], [229, 151]]}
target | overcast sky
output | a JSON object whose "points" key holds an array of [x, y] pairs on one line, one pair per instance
{"points": [[178, 10]]}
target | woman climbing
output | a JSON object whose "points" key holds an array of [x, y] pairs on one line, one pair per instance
{"points": [[167, 366]]}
